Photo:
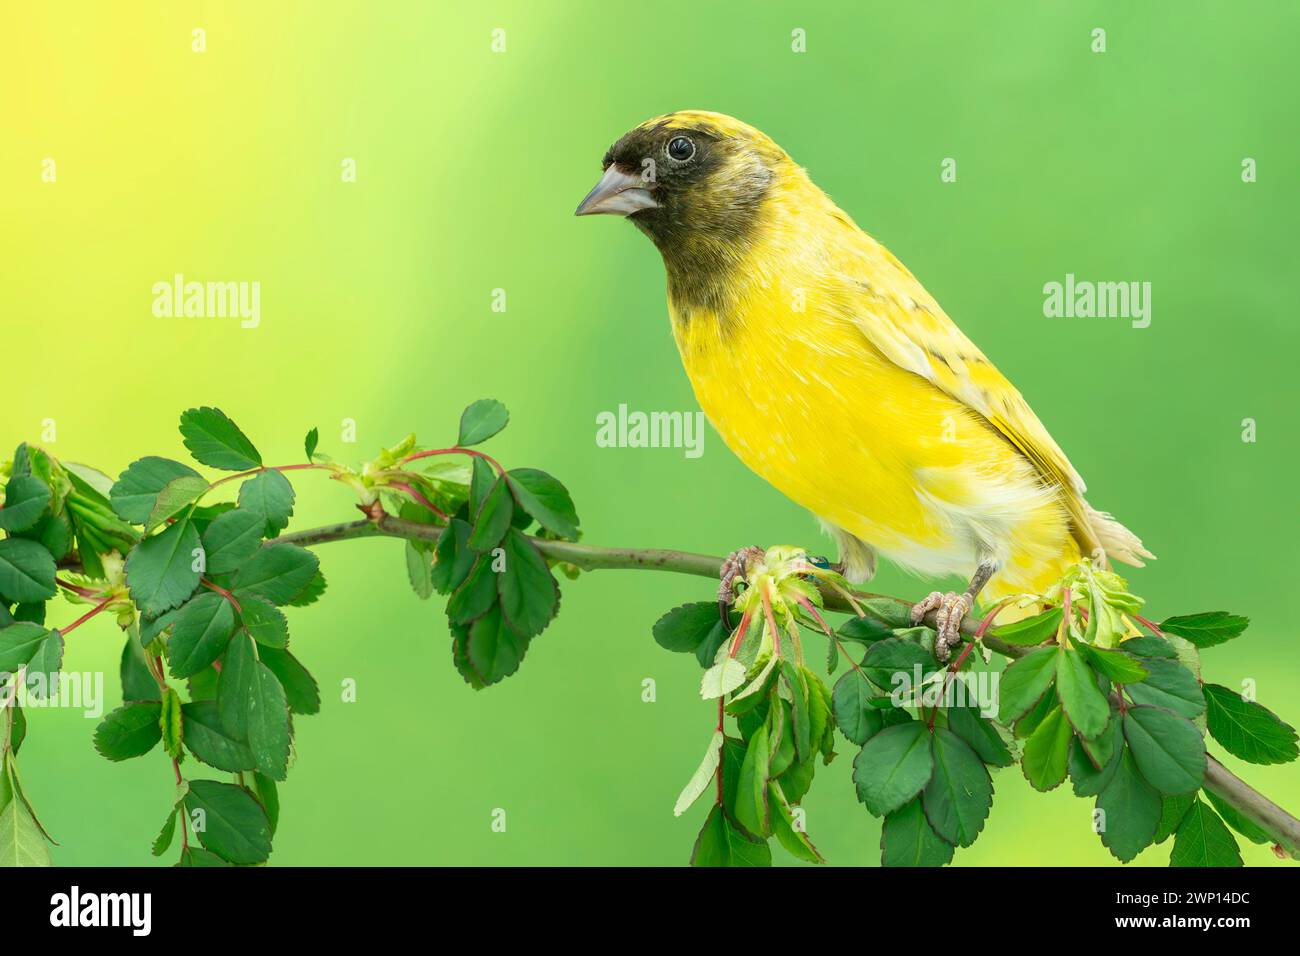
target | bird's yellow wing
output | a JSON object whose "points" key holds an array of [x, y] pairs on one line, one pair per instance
{"points": [[905, 324]]}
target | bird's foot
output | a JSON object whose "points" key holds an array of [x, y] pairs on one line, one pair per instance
{"points": [[950, 610], [734, 568]]}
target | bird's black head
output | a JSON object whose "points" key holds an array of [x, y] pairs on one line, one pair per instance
{"points": [[693, 181]]}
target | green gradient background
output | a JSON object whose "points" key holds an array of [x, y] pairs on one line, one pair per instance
{"points": [[375, 306]]}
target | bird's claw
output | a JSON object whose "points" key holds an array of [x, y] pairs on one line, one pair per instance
{"points": [[733, 568], [950, 610]]}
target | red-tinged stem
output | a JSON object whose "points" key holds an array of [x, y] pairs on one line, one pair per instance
{"points": [[1063, 631], [211, 586], [415, 494], [812, 610], [454, 450], [1149, 625], [75, 589], [86, 617], [258, 471], [771, 622], [988, 618], [721, 750], [740, 633]]}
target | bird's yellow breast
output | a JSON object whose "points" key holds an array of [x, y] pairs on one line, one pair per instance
{"points": [[800, 394]]}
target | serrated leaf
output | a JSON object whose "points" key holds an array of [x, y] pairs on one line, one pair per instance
{"points": [[1047, 752], [1170, 685], [21, 841], [1024, 682], [1031, 630], [278, 572], [160, 570], [310, 442], [130, 731], [722, 678], [543, 497], [236, 685], [1238, 821], [268, 724], [1246, 729], [855, 715], [980, 734], [1076, 687], [419, 570], [175, 496], [893, 767], [235, 827], [26, 498], [200, 632], [908, 839], [269, 495], [1207, 628], [264, 622], [897, 655], [786, 827], [1131, 810], [722, 844], [208, 739], [1203, 840], [300, 688], [164, 838], [1116, 665], [214, 440], [171, 723], [480, 421], [702, 776], [135, 491], [528, 593], [683, 628], [1086, 777], [752, 808], [452, 557], [959, 795], [1172, 811], [231, 539], [19, 643], [137, 681], [1168, 749], [26, 570], [495, 649]]}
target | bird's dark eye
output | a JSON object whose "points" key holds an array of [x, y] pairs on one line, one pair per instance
{"points": [[681, 149]]}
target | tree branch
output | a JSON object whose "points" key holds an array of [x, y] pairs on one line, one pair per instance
{"points": [[1282, 827]]}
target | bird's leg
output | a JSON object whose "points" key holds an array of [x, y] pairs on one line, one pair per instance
{"points": [[732, 568], [951, 608]]}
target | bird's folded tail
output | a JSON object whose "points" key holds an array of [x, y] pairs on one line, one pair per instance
{"points": [[1117, 541]]}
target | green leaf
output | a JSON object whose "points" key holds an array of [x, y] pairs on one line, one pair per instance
{"points": [[480, 421], [310, 442], [858, 719], [907, 839], [493, 518], [21, 841], [200, 633], [26, 571], [1246, 729], [892, 767], [231, 539], [897, 655], [788, 829], [136, 490], [1207, 628], [165, 835], [1115, 665], [170, 723], [1172, 811], [419, 570], [683, 628], [214, 440], [160, 571], [1170, 685], [300, 689], [197, 856], [1076, 686], [798, 698], [19, 643], [26, 499], [1203, 840], [721, 844], [1147, 646], [234, 825], [269, 729], [207, 738], [495, 649], [959, 795], [1131, 809], [1047, 751], [722, 678], [236, 686], [453, 557], [1024, 682], [137, 682], [269, 495], [702, 776], [476, 594], [863, 630], [175, 497], [130, 731], [980, 734], [265, 622], [1087, 778], [1168, 749], [545, 499], [528, 593], [268, 796], [752, 809], [1031, 630], [278, 572], [311, 591], [1238, 821]]}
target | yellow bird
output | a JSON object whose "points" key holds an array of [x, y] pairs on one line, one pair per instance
{"points": [[830, 371]]}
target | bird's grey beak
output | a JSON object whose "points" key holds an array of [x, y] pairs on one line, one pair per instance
{"points": [[617, 194]]}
